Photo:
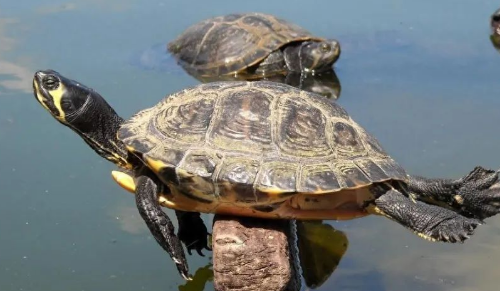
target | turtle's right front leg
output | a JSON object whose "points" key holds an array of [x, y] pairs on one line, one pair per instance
{"points": [[428, 221], [159, 224]]}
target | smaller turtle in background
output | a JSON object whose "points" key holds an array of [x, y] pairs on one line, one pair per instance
{"points": [[253, 45]]}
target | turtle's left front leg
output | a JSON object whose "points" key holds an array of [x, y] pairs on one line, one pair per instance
{"points": [[158, 222], [475, 195]]}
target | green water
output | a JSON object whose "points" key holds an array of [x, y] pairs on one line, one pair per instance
{"points": [[422, 76]]}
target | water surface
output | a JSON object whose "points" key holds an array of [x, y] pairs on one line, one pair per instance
{"points": [[421, 76]]}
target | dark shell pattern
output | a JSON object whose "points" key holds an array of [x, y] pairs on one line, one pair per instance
{"points": [[233, 42], [255, 139]]}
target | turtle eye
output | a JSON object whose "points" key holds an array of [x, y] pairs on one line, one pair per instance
{"points": [[50, 82], [325, 47]]}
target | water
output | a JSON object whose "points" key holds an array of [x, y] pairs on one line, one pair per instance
{"points": [[421, 76]]}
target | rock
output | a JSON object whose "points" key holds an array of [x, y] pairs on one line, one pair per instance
{"points": [[254, 254]]}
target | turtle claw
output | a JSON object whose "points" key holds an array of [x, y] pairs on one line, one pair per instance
{"points": [[479, 193], [456, 230], [183, 270], [186, 276]]}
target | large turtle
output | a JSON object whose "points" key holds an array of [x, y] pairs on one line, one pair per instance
{"points": [[260, 149], [253, 45]]}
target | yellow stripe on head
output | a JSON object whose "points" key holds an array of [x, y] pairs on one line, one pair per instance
{"points": [[57, 95], [51, 99], [39, 95]]}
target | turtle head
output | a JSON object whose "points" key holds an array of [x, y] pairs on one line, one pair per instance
{"points": [[84, 111], [63, 98], [316, 56]]}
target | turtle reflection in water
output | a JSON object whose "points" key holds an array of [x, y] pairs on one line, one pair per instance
{"points": [[325, 84], [260, 149]]}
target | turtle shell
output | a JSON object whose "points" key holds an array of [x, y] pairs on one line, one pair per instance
{"points": [[234, 42], [248, 141]]}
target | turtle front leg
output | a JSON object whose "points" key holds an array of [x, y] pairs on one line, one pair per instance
{"points": [[192, 231], [428, 221], [475, 195], [159, 224]]}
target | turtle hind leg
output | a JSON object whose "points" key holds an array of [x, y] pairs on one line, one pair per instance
{"points": [[159, 223], [428, 221], [475, 195]]}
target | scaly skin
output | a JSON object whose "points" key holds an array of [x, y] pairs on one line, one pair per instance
{"points": [[159, 223], [428, 221], [475, 195]]}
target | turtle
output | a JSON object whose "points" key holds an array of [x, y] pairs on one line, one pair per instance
{"points": [[495, 29], [253, 45], [260, 149]]}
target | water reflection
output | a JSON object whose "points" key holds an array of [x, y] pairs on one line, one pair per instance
{"points": [[325, 83], [13, 75], [200, 278], [321, 247]]}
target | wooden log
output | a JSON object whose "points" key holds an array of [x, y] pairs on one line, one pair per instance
{"points": [[254, 254]]}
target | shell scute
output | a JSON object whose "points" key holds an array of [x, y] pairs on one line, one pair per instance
{"points": [[318, 179], [236, 179], [244, 119], [301, 129], [277, 177]]}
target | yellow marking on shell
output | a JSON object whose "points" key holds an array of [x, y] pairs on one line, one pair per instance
{"points": [[57, 95], [156, 165], [271, 190], [165, 202], [124, 180], [127, 182]]}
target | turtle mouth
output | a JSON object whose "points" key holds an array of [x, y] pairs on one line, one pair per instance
{"points": [[38, 91]]}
